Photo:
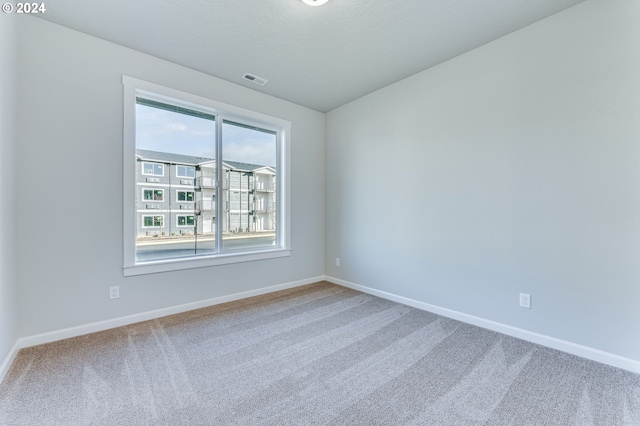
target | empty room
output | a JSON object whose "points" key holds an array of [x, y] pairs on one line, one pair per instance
{"points": [[309, 212]]}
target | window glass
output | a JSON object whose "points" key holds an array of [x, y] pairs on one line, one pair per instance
{"points": [[153, 194], [249, 160], [153, 169], [186, 171], [185, 196], [186, 220], [153, 221], [176, 136]]}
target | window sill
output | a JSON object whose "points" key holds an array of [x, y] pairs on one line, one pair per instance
{"points": [[167, 265]]}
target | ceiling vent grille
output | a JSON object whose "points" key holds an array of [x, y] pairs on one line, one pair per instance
{"points": [[255, 79]]}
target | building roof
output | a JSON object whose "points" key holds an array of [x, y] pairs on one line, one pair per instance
{"points": [[168, 157], [235, 165]]}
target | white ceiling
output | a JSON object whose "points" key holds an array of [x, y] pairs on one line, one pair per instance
{"points": [[320, 57]]}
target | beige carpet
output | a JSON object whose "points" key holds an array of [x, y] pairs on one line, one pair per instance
{"points": [[314, 355]]}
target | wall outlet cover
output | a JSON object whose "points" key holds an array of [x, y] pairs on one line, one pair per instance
{"points": [[114, 292]]}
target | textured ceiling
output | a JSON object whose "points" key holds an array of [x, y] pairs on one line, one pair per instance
{"points": [[319, 57]]}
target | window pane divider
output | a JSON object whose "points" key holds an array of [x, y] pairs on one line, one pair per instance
{"points": [[219, 185]]}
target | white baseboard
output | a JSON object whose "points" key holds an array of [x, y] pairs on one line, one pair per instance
{"points": [[568, 347], [6, 364], [80, 330], [541, 339]]}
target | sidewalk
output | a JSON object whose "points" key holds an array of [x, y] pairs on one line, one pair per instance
{"points": [[176, 239]]}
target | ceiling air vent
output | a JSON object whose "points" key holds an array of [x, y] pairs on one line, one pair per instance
{"points": [[255, 79]]}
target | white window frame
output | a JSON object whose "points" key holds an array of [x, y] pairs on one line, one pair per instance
{"points": [[152, 189], [133, 88], [178, 216], [154, 163], [152, 226], [184, 176]]}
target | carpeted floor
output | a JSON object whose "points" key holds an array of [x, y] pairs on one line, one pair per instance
{"points": [[314, 355]]}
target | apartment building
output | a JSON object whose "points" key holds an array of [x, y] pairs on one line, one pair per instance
{"points": [[176, 195]]}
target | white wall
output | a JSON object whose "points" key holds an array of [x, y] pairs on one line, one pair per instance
{"points": [[8, 312], [69, 174], [512, 168]]}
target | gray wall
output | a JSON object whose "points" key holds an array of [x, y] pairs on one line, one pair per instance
{"points": [[512, 168], [8, 312], [69, 174]]}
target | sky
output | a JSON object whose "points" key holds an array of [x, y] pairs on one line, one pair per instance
{"points": [[167, 131]]}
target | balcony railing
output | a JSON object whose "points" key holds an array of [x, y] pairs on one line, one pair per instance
{"points": [[264, 207], [265, 187], [206, 182], [206, 205]]}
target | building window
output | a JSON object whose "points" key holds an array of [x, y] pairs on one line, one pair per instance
{"points": [[186, 220], [186, 171], [153, 194], [153, 169], [238, 163], [152, 221], [186, 196]]}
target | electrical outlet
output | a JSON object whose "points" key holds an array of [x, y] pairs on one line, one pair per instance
{"points": [[337, 261], [114, 292], [525, 300]]}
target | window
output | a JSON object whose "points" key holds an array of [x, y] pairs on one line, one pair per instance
{"points": [[153, 169], [238, 165], [186, 171], [186, 220], [186, 196], [153, 194], [152, 221]]}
